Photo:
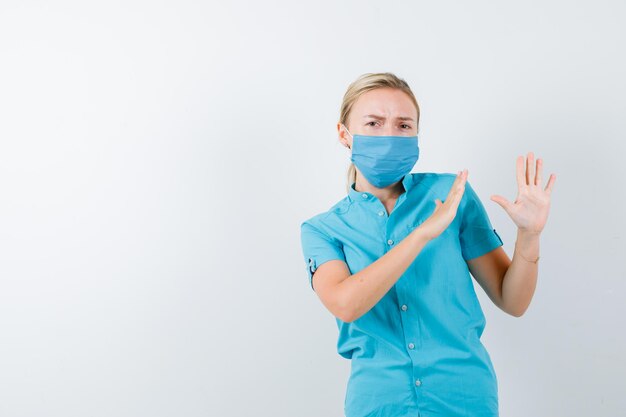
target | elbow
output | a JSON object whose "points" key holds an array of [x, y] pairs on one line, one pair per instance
{"points": [[346, 311], [348, 306], [512, 310], [517, 313], [346, 315], [345, 319], [348, 318]]}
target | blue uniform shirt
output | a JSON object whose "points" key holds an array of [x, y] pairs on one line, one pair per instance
{"points": [[417, 352]]}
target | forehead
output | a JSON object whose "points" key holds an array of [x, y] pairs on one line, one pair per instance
{"points": [[388, 102]]}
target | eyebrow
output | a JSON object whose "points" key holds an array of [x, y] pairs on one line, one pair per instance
{"points": [[374, 116]]}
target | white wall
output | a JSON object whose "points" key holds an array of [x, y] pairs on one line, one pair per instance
{"points": [[157, 158]]}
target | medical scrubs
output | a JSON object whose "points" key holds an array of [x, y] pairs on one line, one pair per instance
{"points": [[417, 352]]}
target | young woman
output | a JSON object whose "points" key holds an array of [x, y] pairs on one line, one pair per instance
{"points": [[392, 262]]}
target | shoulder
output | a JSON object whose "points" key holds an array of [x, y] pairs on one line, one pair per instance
{"points": [[325, 220]]}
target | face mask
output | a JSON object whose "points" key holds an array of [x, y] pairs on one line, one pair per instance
{"points": [[384, 160]]}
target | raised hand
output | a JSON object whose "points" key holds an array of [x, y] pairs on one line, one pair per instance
{"points": [[445, 212], [532, 204]]}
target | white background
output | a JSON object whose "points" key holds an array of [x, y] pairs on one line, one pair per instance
{"points": [[157, 159]]}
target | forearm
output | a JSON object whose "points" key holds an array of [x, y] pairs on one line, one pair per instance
{"points": [[520, 280], [361, 291]]}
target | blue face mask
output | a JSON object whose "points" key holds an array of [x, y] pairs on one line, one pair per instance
{"points": [[384, 160]]}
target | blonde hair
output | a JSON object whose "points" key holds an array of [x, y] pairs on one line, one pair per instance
{"points": [[363, 84]]}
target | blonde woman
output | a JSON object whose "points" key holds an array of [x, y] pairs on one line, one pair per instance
{"points": [[392, 262]]}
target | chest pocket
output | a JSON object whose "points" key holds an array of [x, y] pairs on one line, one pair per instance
{"points": [[437, 265]]}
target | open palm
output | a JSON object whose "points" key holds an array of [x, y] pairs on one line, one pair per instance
{"points": [[532, 204]]}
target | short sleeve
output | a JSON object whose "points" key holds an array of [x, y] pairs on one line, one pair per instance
{"points": [[476, 234], [317, 248]]}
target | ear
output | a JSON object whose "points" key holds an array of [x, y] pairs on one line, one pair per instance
{"points": [[344, 138]]}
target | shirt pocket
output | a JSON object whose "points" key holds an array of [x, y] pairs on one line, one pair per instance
{"points": [[436, 267]]}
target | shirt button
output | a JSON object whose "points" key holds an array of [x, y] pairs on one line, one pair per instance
{"points": [[390, 242], [418, 382], [404, 307], [411, 345], [364, 195], [380, 213]]}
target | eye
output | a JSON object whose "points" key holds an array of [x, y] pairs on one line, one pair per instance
{"points": [[407, 126], [368, 123]]}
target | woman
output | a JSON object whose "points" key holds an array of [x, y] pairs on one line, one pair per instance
{"points": [[392, 262]]}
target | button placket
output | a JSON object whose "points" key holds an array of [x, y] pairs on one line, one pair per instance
{"points": [[411, 337]]}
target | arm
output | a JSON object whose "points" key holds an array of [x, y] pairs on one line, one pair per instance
{"points": [[509, 284], [349, 297]]}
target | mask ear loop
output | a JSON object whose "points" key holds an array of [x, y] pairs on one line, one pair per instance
{"points": [[344, 126]]}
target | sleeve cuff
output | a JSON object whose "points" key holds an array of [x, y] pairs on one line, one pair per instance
{"points": [[314, 263], [491, 242]]}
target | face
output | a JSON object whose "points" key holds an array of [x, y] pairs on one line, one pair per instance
{"points": [[380, 112]]}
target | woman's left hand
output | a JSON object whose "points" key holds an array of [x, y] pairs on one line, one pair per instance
{"points": [[531, 207]]}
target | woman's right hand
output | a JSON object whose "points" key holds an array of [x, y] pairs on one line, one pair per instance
{"points": [[445, 212]]}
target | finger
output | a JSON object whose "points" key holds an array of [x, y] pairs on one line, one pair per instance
{"points": [[462, 180], [438, 205], [503, 202], [461, 189], [551, 181], [530, 169], [519, 168], [457, 190], [460, 176], [458, 180], [538, 178]]}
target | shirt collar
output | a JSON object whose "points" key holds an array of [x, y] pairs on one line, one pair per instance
{"points": [[364, 196]]}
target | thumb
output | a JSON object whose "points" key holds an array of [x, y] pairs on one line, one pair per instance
{"points": [[503, 202]]}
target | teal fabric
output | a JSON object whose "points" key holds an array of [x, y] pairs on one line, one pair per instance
{"points": [[418, 351]]}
